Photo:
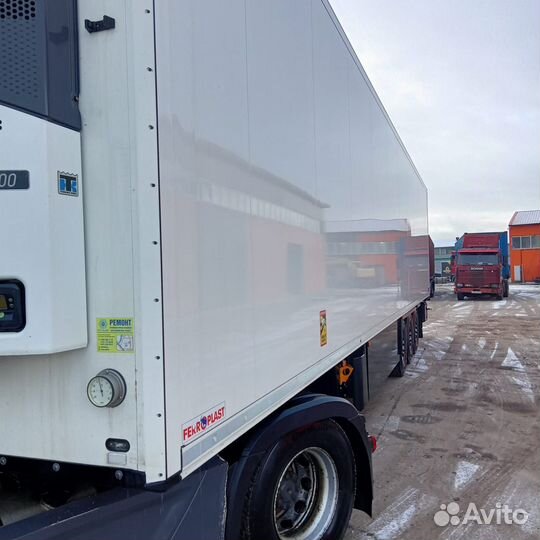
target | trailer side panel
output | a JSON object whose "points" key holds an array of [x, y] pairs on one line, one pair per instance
{"points": [[294, 225]]}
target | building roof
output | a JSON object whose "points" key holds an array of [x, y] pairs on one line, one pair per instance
{"points": [[527, 217]]}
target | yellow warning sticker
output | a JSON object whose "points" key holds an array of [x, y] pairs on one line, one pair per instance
{"points": [[115, 335], [323, 328]]}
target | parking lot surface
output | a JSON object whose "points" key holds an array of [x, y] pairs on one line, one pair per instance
{"points": [[459, 434]]}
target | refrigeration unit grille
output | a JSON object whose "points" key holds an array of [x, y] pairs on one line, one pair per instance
{"points": [[17, 9], [19, 62]]}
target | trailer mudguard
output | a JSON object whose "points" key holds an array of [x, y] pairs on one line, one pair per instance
{"points": [[192, 509], [302, 411]]}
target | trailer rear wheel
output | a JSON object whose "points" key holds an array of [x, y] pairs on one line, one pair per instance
{"points": [[414, 334], [417, 331], [304, 488], [405, 347]]}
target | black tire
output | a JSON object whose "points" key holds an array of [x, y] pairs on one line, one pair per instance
{"points": [[404, 357], [263, 502], [416, 332], [411, 349], [499, 297], [460, 296], [399, 369]]}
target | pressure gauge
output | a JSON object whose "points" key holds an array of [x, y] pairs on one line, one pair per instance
{"points": [[107, 389]]}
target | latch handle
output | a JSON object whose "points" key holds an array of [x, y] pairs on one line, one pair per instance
{"points": [[107, 23]]}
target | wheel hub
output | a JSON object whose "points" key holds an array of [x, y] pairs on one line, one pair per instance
{"points": [[306, 496]]}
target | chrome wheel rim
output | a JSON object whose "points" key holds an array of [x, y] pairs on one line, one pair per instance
{"points": [[306, 496]]}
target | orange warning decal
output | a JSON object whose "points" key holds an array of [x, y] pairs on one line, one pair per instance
{"points": [[323, 328]]}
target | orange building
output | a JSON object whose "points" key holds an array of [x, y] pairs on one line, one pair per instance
{"points": [[525, 246], [365, 252]]}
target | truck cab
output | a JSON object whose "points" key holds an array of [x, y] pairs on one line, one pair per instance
{"points": [[481, 265], [479, 271]]}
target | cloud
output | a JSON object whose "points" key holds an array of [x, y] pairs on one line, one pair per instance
{"points": [[461, 82]]}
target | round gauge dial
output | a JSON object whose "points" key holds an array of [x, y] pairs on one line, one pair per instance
{"points": [[106, 389]]}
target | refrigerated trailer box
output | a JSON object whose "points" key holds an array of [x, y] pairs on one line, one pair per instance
{"points": [[171, 316]]}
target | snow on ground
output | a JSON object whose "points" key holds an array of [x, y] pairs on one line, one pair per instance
{"points": [[462, 425]]}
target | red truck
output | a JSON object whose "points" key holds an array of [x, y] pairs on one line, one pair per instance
{"points": [[482, 266]]}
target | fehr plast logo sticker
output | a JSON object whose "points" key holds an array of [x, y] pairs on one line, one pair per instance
{"points": [[199, 425]]}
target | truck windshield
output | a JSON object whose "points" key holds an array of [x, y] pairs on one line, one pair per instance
{"points": [[467, 259]]}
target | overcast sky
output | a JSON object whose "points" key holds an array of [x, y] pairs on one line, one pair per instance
{"points": [[461, 81]]}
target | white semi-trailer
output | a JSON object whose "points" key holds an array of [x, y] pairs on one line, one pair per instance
{"points": [[206, 217]]}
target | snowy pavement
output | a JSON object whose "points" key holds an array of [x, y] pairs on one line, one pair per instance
{"points": [[462, 426]]}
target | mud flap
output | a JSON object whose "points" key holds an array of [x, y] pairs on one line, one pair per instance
{"points": [[193, 509]]}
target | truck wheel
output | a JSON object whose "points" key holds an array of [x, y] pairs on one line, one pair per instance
{"points": [[416, 331], [411, 338], [460, 296], [304, 487], [404, 357], [400, 368]]}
